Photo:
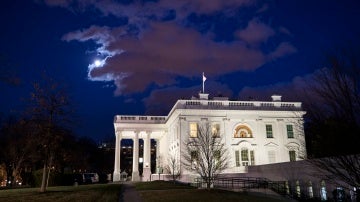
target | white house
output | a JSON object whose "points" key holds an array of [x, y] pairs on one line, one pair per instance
{"points": [[255, 132]]}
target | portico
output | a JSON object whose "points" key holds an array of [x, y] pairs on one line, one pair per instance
{"points": [[126, 129]]}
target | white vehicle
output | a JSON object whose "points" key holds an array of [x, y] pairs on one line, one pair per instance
{"points": [[90, 177]]}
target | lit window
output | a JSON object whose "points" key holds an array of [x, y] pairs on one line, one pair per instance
{"points": [[269, 132], [323, 194], [193, 130], [310, 190], [243, 131], [298, 191], [290, 131], [292, 155], [215, 129]]}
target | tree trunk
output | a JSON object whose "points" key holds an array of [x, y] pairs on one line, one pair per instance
{"points": [[43, 181], [48, 174]]}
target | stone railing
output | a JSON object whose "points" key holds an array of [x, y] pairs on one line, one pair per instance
{"points": [[238, 105], [139, 119]]}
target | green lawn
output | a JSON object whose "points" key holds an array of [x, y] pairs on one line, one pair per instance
{"points": [[97, 192], [165, 191]]}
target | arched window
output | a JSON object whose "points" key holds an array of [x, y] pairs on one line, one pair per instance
{"points": [[243, 131], [323, 194]]}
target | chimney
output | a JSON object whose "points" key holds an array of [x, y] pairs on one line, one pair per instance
{"points": [[276, 98]]}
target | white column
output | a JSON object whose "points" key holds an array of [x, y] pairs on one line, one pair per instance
{"points": [[157, 154], [147, 157], [135, 170], [147, 151], [116, 175]]}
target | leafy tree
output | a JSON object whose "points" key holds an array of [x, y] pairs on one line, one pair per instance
{"points": [[205, 154]]}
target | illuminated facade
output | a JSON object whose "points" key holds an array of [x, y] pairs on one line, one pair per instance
{"points": [[255, 132]]}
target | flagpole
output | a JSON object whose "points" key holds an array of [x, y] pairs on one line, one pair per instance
{"points": [[203, 79], [203, 83]]}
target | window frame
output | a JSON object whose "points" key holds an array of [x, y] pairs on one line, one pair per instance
{"points": [[192, 130], [272, 156], [237, 158], [290, 130], [244, 153], [292, 155], [269, 131], [252, 157], [217, 135]]}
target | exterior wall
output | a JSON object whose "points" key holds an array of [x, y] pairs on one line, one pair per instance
{"points": [[171, 131], [259, 143]]}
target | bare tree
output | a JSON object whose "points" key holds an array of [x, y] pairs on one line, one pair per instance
{"points": [[50, 110], [15, 147], [205, 154], [333, 118], [173, 167]]}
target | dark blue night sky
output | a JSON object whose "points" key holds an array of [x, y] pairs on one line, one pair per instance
{"points": [[152, 53]]}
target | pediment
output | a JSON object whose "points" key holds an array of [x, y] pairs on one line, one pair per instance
{"points": [[271, 144]]}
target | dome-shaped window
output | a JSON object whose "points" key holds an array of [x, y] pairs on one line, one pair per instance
{"points": [[242, 131]]}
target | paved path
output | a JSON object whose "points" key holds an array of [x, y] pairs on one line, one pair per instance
{"points": [[129, 193]]}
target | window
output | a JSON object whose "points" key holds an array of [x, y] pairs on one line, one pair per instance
{"points": [[252, 158], [237, 158], [193, 130], [217, 155], [194, 155], [290, 131], [287, 188], [244, 157], [269, 132], [272, 157], [310, 190], [215, 129], [243, 131], [297, 187], [292, 155], [194, 158], [323, 194]]}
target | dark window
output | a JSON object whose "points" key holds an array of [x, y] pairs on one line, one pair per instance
{"points": [[269, 132], [290, 131], [292, 155]]}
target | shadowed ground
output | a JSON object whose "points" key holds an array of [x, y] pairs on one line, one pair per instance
{"points": [[132, 192]]}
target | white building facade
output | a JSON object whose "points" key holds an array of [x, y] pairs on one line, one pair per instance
{"points": [[255, 132]]}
